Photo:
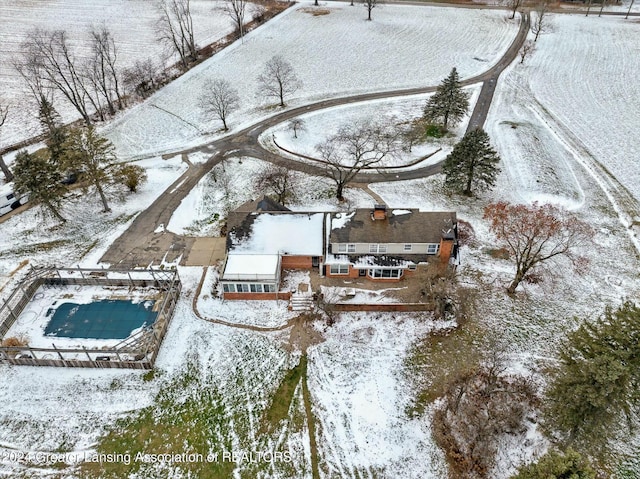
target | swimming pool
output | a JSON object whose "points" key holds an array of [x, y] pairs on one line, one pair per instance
{"points": [[106, 319]]}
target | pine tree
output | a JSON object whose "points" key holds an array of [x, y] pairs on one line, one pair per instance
{"points": [[449, 103], [40, 178], [472, 164], [55, 132], [595, 390], [91, 153]]}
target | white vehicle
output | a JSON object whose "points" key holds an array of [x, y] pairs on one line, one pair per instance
{"points": [[9, 201]]}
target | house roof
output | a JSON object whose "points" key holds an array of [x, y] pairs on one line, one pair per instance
{"points": [[251, 267], [405, 226], [286, 233], [263, 204]]}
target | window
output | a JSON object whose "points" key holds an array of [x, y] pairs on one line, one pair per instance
{"points": [[256, 288], [408, 247], [242, 287], [339, 269], [346, 248], [269, 288], [10, 196], [433, 248], [228, 288], [385, 273], [411, 267], [377, 248]]}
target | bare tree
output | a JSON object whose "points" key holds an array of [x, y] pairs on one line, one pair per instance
{"points": [[535, 234], [370, 5], [630, 7], [175, 29], [541, 23], [278, 180], [236, 9], [514, 5], [296, 125], [278, 79], [4, 111], [102, 68], [602, 5], [354, 147], [48, 55], [219, 98], [527, 48], [588, 7]]}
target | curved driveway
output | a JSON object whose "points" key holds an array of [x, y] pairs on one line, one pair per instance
{"points": [[140, 245]]}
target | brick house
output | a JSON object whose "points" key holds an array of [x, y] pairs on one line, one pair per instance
{"points": [[387, 245], [264, 238]]}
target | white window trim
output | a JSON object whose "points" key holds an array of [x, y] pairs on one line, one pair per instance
{"points": [[377, 248], [433, 248], [408, 247], [339, 268]]}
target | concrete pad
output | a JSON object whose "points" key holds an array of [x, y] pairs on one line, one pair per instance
{"points": [[205, 252]]}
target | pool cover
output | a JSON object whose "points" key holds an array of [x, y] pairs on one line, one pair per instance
{"points": [[107, 319]]}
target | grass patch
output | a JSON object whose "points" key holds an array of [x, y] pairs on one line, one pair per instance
{"points": [[284, 396], [189, 417], [31, 249]]}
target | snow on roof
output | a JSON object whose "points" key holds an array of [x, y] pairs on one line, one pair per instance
{"points": [[285, 233], [341, 219], [251, 266], [401, 212]]}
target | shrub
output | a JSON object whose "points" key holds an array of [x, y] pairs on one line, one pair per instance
{"points": [[557, 465]]}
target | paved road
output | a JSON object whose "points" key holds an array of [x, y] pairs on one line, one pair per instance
{"points": [[144, 241]]}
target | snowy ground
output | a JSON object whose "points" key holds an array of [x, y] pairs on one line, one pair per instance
{"points": [[231, 184], [87, 233], [471, 40], [359, 398], [77, 17], [319, 126]]}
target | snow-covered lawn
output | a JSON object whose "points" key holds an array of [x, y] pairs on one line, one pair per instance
{"points": [[584, 76], [77, 17], [398, 113], [88, 232], [335, 54], [358, 393], [231, 183]]}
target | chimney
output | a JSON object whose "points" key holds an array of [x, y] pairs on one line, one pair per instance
{"points": [[379, 212]]}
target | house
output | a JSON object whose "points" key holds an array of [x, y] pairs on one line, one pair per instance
{"points": [[265, 238], [388, 245]]}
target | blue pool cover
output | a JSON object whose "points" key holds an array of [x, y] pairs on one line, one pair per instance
{"points": [[107, 319]]}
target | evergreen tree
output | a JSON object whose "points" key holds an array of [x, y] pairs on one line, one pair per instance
{"points": [[449, 103], [40, 178], [472, 165], [91, 153], [555, 465], [595, 390], [55, 132]]}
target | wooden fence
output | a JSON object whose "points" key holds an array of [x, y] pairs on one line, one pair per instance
{"points": [[138, 351]]}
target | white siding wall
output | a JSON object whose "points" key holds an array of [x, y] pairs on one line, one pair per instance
{"points": [[392, 248]]}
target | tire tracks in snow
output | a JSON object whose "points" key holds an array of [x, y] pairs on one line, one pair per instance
{"points": [[626, 206]]}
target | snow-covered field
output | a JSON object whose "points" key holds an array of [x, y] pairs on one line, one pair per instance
{"points": [[471, 40], [78, 17], [359, 396]]}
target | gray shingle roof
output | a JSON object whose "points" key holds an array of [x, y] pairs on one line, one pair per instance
{"points": [[412, 227]]}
